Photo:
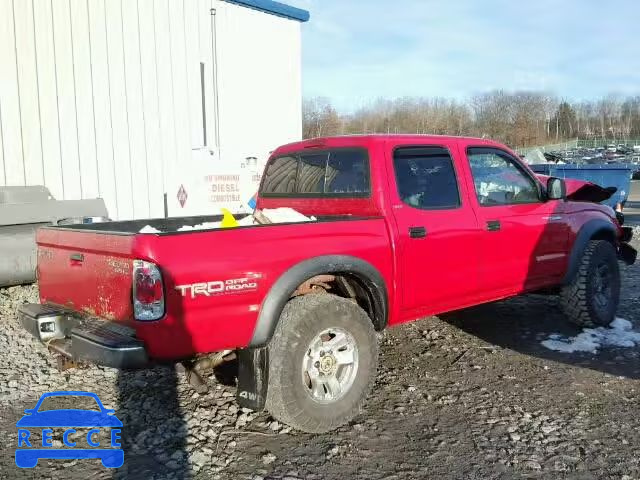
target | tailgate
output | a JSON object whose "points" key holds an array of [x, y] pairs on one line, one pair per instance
{"points": [[86, 271]]}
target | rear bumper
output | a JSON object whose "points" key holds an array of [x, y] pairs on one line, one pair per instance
{"points": [[627, 253], [83, 339], [627, 234]]}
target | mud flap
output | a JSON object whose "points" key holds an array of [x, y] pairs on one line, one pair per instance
{"points": [[253, 377], [627, 254]]}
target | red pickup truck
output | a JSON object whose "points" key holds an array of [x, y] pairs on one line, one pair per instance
{"points": [[404, 227]]}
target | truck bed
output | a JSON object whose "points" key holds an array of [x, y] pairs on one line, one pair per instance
{"points": [[170, 226], [88, 269]]}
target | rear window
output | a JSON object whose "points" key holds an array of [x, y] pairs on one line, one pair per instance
{"points": [[339, 172]]}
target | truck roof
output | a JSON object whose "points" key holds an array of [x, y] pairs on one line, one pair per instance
{"points": [[363, 140]]}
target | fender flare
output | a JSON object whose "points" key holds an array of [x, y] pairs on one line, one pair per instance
{"points": [[589, 230], [283, 288]]}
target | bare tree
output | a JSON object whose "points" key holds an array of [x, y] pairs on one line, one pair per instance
{"points": [[319, 118], [519, 119]]}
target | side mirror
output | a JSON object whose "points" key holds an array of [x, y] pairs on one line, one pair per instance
{"points": [[556, 189]]}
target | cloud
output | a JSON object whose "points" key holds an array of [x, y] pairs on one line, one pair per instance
{"points": [[354, 52]]}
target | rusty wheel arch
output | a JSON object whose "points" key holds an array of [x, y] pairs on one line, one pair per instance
{"points": [[342, 275]]}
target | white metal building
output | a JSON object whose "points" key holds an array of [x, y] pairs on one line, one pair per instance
{"points": [[130, 100]]}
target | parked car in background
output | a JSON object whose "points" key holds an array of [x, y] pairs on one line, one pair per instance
{"points": [[635, 167], [624, 150]]}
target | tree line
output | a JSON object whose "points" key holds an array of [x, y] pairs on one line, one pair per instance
{"points": [[518, 119]]}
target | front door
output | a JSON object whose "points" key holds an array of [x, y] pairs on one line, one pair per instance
{"points": [[438, 248], [524, 238]]}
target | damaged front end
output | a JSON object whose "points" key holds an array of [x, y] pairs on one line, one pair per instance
{"points": [[583, 191]]}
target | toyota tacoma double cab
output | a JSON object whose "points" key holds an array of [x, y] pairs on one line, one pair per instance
{"points": [[401, 227]]}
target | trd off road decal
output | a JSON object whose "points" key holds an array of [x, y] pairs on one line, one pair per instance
{"points": [[220, 287]]}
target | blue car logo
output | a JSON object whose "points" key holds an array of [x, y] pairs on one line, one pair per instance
{"points": [[29, 450]]}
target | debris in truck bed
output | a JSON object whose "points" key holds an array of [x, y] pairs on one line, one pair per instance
{"points": [[201, 226], [149, 229], [247, 221], [285, 215], [267, 215]]}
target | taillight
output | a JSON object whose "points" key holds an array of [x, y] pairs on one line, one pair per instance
{"points": [[148, 291]]}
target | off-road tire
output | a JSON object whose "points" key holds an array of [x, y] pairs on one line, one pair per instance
{"points": [[302, 319], [578, 297]]}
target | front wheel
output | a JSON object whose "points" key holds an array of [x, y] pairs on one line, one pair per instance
{"points": [[323, 359], [592, 297]]}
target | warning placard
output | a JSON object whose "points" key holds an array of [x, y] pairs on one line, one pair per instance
{"points": [[223, 188]]}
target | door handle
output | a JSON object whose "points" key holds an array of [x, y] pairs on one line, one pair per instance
{"points": [[417, 232], [493, 225], [76, 259]]}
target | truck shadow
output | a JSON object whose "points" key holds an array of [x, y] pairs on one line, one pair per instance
{"points": [[522, 323], [155, 432]]}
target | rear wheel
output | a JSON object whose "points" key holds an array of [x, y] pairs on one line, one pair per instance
{"points": [[592, 297], [323, 359]]}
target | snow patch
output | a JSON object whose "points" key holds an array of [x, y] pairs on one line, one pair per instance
{"points": [[619, 334], [149, 229]]}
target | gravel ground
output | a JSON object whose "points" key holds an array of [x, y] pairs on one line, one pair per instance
{"points": [[471, 395]]}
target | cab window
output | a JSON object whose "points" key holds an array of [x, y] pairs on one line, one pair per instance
{"points": [[426, 178], [499, 179]]}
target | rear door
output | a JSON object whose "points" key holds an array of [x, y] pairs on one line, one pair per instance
{"points": [[524, 238], [437, 229]]}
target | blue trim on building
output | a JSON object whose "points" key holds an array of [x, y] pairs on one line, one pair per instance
{"points": [[275, 8]]}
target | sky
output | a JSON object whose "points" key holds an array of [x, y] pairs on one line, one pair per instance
{"points": [[356, 51]]}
